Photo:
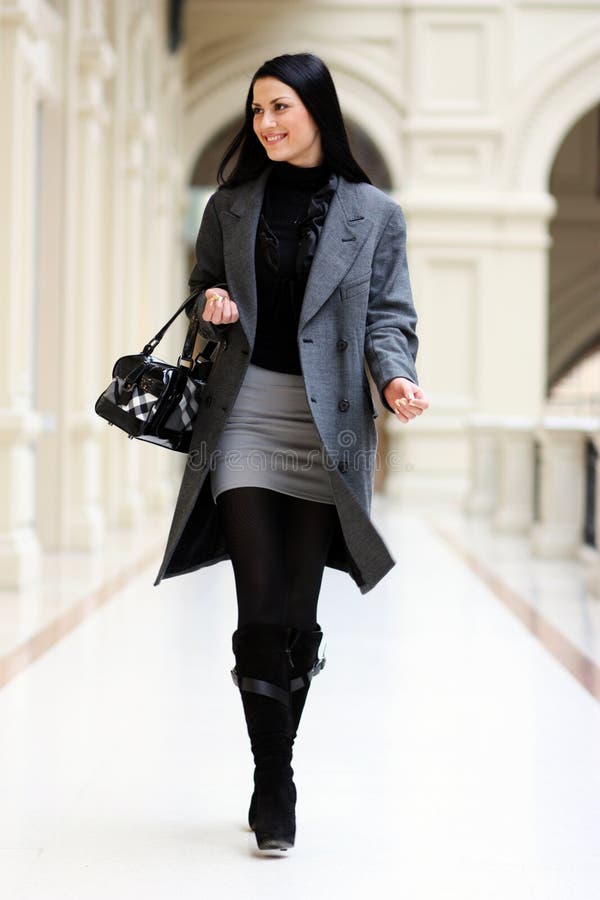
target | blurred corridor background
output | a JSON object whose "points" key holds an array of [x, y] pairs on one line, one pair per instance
{"points": [[480, 117], [483, 121]]}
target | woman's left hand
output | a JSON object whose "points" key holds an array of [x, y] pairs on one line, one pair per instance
{"points": [[405, 398]]}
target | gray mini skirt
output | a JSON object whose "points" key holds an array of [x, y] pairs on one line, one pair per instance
{"points": [[270, 440]]}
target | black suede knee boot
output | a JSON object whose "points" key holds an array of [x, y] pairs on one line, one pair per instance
{"points": [[262, 673], [304, 665]]}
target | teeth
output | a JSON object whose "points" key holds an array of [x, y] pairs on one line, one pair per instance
{"points": [[271, 140]]}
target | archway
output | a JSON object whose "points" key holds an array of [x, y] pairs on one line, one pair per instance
{"points": [[364, 150], [574, 263], [550, 119], [219, 84], [544, 113]]}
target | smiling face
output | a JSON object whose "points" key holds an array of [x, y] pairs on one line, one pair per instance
{"points": [[284, 126]]}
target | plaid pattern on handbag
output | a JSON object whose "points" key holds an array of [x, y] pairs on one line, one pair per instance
{"points": [[141, 403], [183, 417]]}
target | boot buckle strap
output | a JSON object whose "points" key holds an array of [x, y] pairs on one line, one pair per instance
{"points": [[304, 680], [257, 686]]}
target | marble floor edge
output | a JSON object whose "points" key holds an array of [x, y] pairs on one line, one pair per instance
{"points": [[526, 608], [15, 658]]}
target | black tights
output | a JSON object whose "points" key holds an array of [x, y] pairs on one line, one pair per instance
{"points": [[278, 546]]}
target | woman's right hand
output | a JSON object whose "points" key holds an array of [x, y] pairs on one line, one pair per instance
{"points": [[219, 308]]}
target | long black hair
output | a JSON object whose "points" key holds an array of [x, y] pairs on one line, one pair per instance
{"points": [[311, 79]]}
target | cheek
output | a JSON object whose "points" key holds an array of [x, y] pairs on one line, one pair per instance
{"points": [[309, 128]]}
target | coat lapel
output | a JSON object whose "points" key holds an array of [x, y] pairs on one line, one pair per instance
{"points": [[343, 235], [239, 224], [344, 232]]}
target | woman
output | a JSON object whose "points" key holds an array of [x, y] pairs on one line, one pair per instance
{"points": [[301, 274]]}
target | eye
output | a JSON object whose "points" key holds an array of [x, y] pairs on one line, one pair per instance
{"points": [[280, 106], [256, 110]]}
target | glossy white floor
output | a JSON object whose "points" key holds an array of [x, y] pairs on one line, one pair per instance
{"points": [[444, 752]]}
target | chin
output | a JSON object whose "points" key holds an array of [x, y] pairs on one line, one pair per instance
{"points": [[275, 153]]}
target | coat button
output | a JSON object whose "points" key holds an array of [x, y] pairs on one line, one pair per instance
{"points": [[344, 405], [341, 344], [343, 466]]}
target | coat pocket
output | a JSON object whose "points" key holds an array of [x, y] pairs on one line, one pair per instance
{"points": [[356, 287]]}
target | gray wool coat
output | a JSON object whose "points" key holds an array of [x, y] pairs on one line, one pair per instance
{"points": [[357, 307]]}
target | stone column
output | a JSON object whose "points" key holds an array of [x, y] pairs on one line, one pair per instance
{"points": [[514, 506], [84, 522], [144, 225], [483, 434], [19, 423], [559, 530], [134, 320], [160, 462]]}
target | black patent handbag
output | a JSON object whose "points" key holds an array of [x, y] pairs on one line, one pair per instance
{"points": [[154, 401]]}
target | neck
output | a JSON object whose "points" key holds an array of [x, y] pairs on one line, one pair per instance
{"points": [[285, 172]]}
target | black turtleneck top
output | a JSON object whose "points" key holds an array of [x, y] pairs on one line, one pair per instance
{"points": [[280, 276]]}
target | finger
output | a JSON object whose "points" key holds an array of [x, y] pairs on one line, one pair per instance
{"points": [[217, 311], [223, 308], [407, 389], [418, 404], [401, 414], [229, 311], [211, 298], [216, 293], [401, 405]]}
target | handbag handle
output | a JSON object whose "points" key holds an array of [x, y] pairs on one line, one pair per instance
{"points": [[186, 359], [155, 341]]}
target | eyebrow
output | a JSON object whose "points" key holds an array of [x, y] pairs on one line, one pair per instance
{"points": [[285, 97]]}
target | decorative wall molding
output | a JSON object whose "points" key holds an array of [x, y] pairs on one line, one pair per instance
{"points": [[543, 110]]}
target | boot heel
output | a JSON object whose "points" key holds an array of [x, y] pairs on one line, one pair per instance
{"points": [[271, 843]]}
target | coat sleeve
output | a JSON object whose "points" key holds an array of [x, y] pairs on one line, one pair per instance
{"points": [[209, 270], [390, 339]]}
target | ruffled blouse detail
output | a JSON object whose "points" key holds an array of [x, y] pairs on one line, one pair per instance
{"points": [[310, 228]]}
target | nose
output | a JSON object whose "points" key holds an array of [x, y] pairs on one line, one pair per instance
{"points": [[269, 120]]}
